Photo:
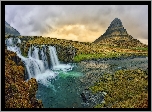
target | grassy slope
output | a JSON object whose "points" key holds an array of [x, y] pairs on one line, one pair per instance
{"points": [[136, 91], [86, 50]]}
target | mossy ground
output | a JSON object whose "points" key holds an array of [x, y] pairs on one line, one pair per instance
{"points": [[125, 89], [18, 93], [87, 50]]}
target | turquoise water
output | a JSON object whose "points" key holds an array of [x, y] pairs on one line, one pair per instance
{"points": [[69, 74], [64, 91], [61, 92]]}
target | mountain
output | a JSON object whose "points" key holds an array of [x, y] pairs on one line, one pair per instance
{"points": [[116, 35], [10, 30]]}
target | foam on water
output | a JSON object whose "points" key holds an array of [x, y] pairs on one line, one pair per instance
{"points": [[45, 77], [37, 68], [63, 67]]}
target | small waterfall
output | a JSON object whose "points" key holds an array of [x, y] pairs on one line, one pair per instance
{"points": [[44, 56], [9, 42], [53, 56], [55, 61], [35, 53], [14, 49], [12, 41], [29, 52], [37, 61]]}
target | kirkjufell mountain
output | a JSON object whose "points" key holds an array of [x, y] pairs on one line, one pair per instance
{"points": [[10, 30], [116, 35], [115, 28]]}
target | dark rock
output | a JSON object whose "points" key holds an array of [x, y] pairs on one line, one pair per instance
{"points": [[83, 97], [115, 29]]}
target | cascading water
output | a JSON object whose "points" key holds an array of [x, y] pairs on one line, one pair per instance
{"points": [[35, 54], [42, 64], [43, 57], [37, 62], [54, 59]]}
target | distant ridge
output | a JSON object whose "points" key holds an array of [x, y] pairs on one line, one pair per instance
{"points": [[10, 30]]}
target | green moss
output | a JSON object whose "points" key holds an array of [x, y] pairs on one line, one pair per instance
{"points": [[82, 57], [141, 48]]}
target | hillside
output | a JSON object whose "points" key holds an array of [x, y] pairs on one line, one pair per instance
{"points": [[117, 36], [10, 30], [69, 50]]}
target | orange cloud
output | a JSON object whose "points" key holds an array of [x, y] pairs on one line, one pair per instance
{"points": [[77, 32]]}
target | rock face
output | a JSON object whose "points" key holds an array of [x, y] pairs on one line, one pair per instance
{"points": [[66, 53], [115, 28], [116, 35], [10, 30]]}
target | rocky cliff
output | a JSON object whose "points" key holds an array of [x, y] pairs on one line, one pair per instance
{"points": [[116, 35]]}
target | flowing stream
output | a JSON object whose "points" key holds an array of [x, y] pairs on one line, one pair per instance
{"points": [[60, 85]]}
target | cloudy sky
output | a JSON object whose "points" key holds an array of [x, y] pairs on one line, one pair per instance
{"points": [[77, 22]]}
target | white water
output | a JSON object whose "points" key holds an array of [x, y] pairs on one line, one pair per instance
{"points": [[55, 61], [53, 56], [12, 41], [35, 53], [44, 57], [37, 68]]}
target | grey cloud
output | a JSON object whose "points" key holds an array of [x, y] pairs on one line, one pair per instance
{"points": [[45, 19]]}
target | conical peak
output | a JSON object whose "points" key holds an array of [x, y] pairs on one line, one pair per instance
{"points": [[116, 23], [117, 19], [115, 28]]}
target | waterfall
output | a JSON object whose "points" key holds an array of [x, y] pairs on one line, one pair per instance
{"points": [[9, 42], [37, 61], [12, 41], [53, 56], [44, 56], [14, 49], [29, 52], [35, 54], [55, 61]]}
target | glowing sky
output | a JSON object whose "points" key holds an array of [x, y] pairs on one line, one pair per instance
{"points": [[77, 22]]}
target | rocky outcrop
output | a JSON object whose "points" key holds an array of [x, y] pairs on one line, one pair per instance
{"points": [[116, 35], [66, 53], [115, 28]]}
